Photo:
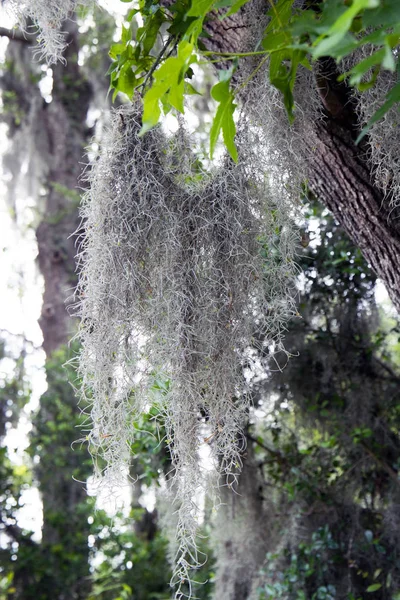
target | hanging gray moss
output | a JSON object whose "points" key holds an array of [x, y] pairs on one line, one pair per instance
{"points": [[182, 272], [47, 16], [383, 139]]}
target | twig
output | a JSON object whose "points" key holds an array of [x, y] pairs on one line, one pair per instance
{"points": [[387, 368], [156, 63], [391, 472], [271, 451]]}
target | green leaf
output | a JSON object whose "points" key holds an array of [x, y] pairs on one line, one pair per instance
{"points": [[223, 120], [274, 40], [176, 96], [200, 8], [337, 45], [126, 82], [235, 7], [223, 4], [283, 75], [280, 15], [116, 50], [131, 13], [190, 90], [180, 26], [374, 587], [126, 34], [357, 73], [146, 35], [377, 572], [168, 80], [328, 43], [343, 23], [385, 15], [388, 62]]}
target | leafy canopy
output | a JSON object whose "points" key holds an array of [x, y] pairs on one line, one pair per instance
{"points": [[157, 60]]}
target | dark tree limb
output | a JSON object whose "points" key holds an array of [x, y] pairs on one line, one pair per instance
{"points": [[16, 35], [389, 470], [15, 533]]}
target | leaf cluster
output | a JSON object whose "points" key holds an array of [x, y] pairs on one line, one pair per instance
{"points": [[156, 59]]}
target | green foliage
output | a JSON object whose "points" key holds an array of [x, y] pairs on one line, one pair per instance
{"points": [[308, 571], [131, 555], [132, 559], [308, 562], [168, 86], [152, 457], [157, 61], [6, 586], [224, 116], [330, 452]]}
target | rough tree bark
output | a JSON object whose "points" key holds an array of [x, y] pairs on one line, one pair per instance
{"points": [[66, 135], [343, 182]]}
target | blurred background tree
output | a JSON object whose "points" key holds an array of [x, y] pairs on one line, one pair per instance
{"points": [[51, 131]]}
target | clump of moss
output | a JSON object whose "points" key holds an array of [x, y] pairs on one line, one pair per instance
{"points": [[47, 16], [185, 277]]}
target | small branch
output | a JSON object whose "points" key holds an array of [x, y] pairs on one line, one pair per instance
{"points": [[387, 368], [157, 62], [391, 472], [252, 74], [278, 456], [17, 36], [233, 54]]}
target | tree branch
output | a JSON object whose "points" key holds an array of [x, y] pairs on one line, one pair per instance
{"points": [[387, 368], [278, 456], [18, 35], [391, 472]]}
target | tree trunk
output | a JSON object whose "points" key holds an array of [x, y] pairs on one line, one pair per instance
{"points": [[242, 535], [66, 133], [342, 181]]}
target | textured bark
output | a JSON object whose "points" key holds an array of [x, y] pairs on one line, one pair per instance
{"points": [[342, 181], [65, 133]]}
